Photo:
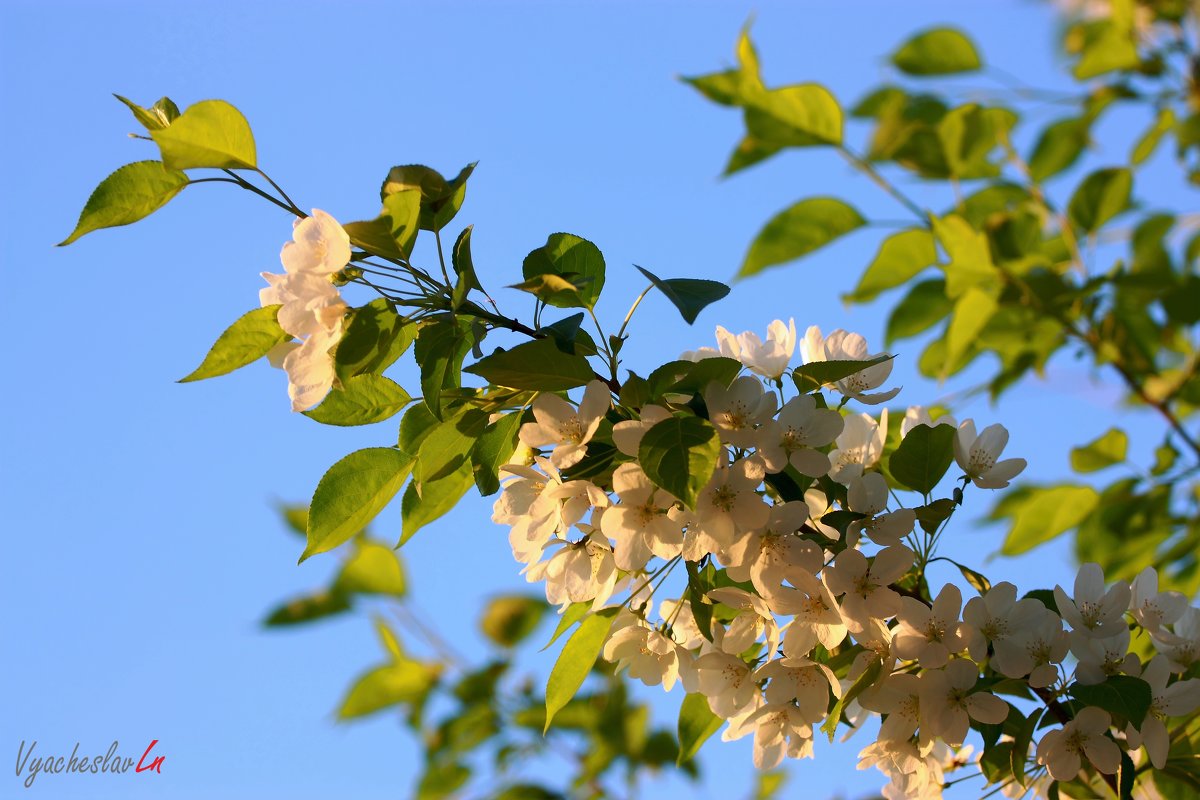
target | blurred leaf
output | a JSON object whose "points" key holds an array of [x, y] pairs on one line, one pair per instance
{"points": [[1102, 195], [689, 295], [697, 723], [211, 133], [680, 455], [1148, 143], [901, 256], [351, 493], [389, 685], [576, 660], [769, 784], [802, 115], [925, 304], [361, 400], [1105, 451], [308, 608], [250, 338], [941, 51], [1058, 147], [970, 262], [972, 311], [510, 619], [1039, 514], [131, 193], [442, 780], [1109, 44], [799, 230], [373, 569], [538, 365]]}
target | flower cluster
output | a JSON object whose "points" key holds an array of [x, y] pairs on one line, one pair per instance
{"points": [[805, 602], [311, 307]]}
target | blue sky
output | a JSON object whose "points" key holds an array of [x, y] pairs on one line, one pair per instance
{"points": [[143, 544]]}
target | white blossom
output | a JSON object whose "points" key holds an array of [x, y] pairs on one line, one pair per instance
{"points": [[1181, 645], [577, 571], [646, 654], [1100, 658], [1180, 699], [792, 437], [767, 358], [728, 504], [844, 346], [805, 682], [640, 525], [1035, 650], [759, 554], [1151, 608], [736, 411], [948, 699], [978, 455], [627, 435], [858, 446], [868, 495], [753, 621], [1094, 611], [1062, 751], [568, 429], [919, 415], [997, 616], [779, 730], [865, 584], [815, 614], [727, 682], [929, 634]]}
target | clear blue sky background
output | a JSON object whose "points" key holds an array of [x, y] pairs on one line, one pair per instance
{"points": [[142, 544]]}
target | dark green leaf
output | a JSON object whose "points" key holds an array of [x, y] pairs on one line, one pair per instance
{"points": [[689, 295], [131, 193], [680, 455], [923, 457], [493, 449], [464, 267], [1102, 195], [1120, 695], [375, 336], [538, 365], [243, 342], [565, 255], [811, 377], [1059, 146], [510, 619], [308, 608], [799, 230], [440, 349]]}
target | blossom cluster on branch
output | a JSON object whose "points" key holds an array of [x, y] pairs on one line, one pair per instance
{"points": [[785, 586]]}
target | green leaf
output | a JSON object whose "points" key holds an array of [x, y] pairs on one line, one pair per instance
{"points": [[970, 257], [308, 608], [924, 305], [1109, 449], [441, 346], [155, 118], [1145, 146], [697, 723], [403, 211], [1021, 744], [464, 268], [442, 473], [134, 191], [510, 619], [941, 51], [978, 580], [866, 679], [1059, 146], [811, 377], [389, 685], [799, 230], [689, 295], [576, 660], [442, 779], [245, 341], [493, 449], [440, 198], [1109, 46], [567, 256], [802, 115], [375, 336], [416, 424], [574, 613], [351, 493], [1040, 514], [901, 256], [211, 133], [1119, 695], [680, 455], [538, 365], [923, 457], [1101, 196], [373, 569], [362, 400], [972, 311]]}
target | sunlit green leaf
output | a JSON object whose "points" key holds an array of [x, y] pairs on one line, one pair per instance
{"points": [[802, 115], [361, 400], [386, 686], [1040, 514], [375, 336], [157, 116], [351, 493], [510, 619], [538, 365], [493, 449], [211, 133], [131, 193], [1105, 451], [697, 723], [1101, 196], [243, 342], [374, 568], [576, 660], [799, 230], [565, 255], [901, 256]]}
